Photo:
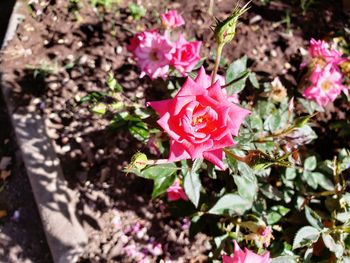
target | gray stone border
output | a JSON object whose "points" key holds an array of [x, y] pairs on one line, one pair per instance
{"points": [[55, 201]]}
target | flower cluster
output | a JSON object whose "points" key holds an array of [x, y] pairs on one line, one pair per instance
{"points": [[325, 77], [156, 53]]}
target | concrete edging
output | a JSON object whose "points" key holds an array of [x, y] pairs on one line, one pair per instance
{"points": [[55, 201]]}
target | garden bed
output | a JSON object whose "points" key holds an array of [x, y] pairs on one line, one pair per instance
{"points": [[60, 55]]}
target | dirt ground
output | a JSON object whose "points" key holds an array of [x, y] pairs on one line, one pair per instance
{"points": [[21, 235], [75, 57]]}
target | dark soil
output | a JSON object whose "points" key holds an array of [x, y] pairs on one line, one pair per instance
{"points": [[74, 57]]}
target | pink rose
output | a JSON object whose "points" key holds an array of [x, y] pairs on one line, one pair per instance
{"points": [[233, 98], [153, 53], [200, 121], [175, 192], [321, 49], [172, 19], [186, 55], [246, 256], [326, 85]]}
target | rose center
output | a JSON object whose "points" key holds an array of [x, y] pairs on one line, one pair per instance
{"points": [[198, 120], [153, 55], [326, 85]]}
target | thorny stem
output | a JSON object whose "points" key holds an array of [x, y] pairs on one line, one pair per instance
{"points": [[239, 158], [217, 62], [153, 162], [336, 174]]}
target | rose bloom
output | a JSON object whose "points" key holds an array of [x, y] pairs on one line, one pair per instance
{"points": [[246, 256], [172, 19], [186, 55], [200, 121], [233, 98], [153, 53], [175, 192], [321, 49], [326, 85]]}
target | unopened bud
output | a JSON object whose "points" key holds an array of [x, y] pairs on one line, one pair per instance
{"points": [[139, 161], [225, 30]]}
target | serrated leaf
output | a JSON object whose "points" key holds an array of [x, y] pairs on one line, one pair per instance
{"points": [[199, 63], [237, 68], [158, 171], [306, 236], [192, 183], [343, 217], [253, 80], [345, 164], [271, 192], [313, 218], [255, 121], [233, 204], [274, 121], [291, 173], [113, 84], [323, 181], [310, 163], [161, 184], [276, 213], [285, 259], [139, 130], [247, 187], [329, 242]]}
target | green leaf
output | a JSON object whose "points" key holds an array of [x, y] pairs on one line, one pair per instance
{"points": [[306, 236], [271, 192], [345, 164], [301, 121], [343, 217], [315, 179], [253, 80], [192, 183], [234, 71], [139, 130], [291, 173], [161, 184], [99, 108], [113, 84], [276, 213], [285, 259], [329, 242], [313, 218], [233, 204], [247, 186], [310, 179], [136, 11], [199, 63], [323, 181], [158, 171], [255, 121], [310, 163], [274, 121]]}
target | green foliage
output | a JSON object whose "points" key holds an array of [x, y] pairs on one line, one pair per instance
{"points": [[305, 237], [230, 204], [236, 76], [276, 189], [136, 11], [192, 183], [106, 4]]}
